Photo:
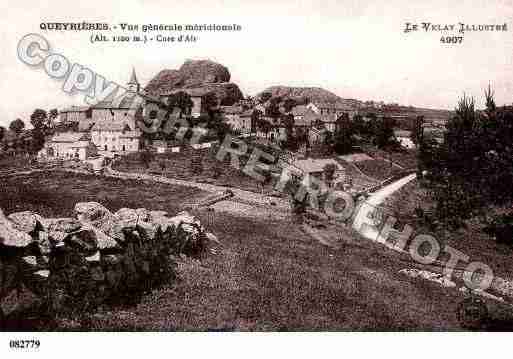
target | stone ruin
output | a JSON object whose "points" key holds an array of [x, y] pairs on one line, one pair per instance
{"points": [[59, 266]]}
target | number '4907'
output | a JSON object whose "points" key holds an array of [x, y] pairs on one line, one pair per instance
{"points": [[451, 39]]}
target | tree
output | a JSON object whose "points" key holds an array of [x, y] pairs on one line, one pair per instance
{"points": [[39, 118], [222, 129], [181, 100], [265, 96], [52, 116], [289, 104], [146, 157], [343, 138], [290, 141], [473, 167], [210, 104], [17, 126], [384, 132], [41, 124], [255, 118], [273, 110], [417, 133], [329, 173]]}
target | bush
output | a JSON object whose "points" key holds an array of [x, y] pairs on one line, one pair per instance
{"points": [[502, 229]]}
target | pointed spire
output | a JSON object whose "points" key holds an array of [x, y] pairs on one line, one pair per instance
{"points": [[133, 78]]}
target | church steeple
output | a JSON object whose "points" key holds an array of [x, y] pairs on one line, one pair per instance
{"points": [[133, 84]]}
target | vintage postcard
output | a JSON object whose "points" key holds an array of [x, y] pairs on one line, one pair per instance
{"points": [[256, 166]]}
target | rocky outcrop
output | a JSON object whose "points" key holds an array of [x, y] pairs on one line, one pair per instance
{"points": [[303, 94], [12, 237], [198, 76], [62, 265], [203, 71]]}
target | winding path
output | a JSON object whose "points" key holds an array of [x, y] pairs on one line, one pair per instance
{"points": [[374, 200]]}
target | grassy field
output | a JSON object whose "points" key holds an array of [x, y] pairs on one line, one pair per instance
{"points": [[182, 166], [267, 275], [471, 239], [377, 168], [54, 194]]}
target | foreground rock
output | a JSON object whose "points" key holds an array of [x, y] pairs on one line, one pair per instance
{"points": [[26, 221], [73, 264], [10, 236]]}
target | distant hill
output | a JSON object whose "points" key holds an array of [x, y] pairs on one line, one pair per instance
{"points": [[304, 93]]}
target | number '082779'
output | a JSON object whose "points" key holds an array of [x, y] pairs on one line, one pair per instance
{"points": [[451, 39], [24, 344]]}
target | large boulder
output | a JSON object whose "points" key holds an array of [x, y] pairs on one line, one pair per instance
{"points": [[104, 242], [10, 236], [186, 231], [26, 221], [133, 215], [199, 76], [307, 94], [93, 213], [203, 71], [66, 225]]}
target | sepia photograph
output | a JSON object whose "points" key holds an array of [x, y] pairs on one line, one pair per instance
{"points": [[255, 167]]}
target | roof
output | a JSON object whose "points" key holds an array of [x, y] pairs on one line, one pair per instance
{"points": [[111, 126], [124, 102], [402, 133], [133, 78], [333, 105], [231, 110], [311, 165], [75, 109], [70, 137], [331, 117]]}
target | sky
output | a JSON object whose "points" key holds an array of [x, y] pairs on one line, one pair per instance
{"points": [[354, 48]]}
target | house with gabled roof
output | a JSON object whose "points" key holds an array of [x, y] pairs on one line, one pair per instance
{"points": [[69, 145], [74, 114], [333, 108], [118, 137]]}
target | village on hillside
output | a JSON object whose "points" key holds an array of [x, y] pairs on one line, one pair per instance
{"points": [[316, 127], [185, 205]]}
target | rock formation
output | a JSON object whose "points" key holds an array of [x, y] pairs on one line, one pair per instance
{"points": [[62, 265], [197, 75], [303, 93]]}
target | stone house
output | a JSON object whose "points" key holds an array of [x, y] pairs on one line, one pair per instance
{"points": [[239, 121], [69, 145], [315, 167], [74, 114], [337, 109], [115, 137], [404, 138]]}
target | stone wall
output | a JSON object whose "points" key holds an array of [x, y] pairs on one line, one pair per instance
{"points": [[58, 266]]}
